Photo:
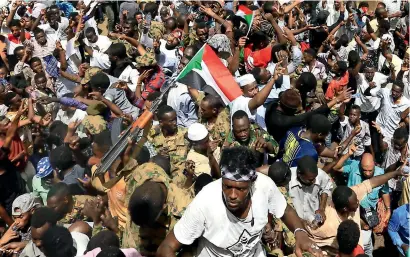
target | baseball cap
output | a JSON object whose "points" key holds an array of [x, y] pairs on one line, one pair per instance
{"points": [[44, 167], [23, 204], [89, 73]]}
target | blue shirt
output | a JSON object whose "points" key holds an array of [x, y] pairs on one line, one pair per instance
{"points": [[352, 169], [295, 147], [399, 227]]}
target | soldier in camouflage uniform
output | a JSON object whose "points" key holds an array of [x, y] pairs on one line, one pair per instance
{"points": [[94, 123], [169, 139], [146, 239], [68, 207], [212, 115], [280, 173], [250, 135]]}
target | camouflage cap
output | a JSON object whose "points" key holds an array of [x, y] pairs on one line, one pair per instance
{"points": [[95, 124], [156, 30], [89, 73], [96, 108], [148, 59]]}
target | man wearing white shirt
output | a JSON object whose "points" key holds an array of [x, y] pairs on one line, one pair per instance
{"points": [[68, 114], [56, 25], [263, 76], [96, 47], [228, 216], [122, 67], [169, 52], [333, 7], [252, 98], [369, 105], [393, 9], [394, 104], [309, 188]]}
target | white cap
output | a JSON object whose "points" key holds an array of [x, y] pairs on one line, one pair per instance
{"points": [[197, 132], [245, 80]]}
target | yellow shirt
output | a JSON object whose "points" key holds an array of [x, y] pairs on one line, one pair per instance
{"points": [[325, 235], [201, 162]]}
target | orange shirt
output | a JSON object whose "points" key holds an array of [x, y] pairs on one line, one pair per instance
{"points": [[336, 85], [116, 201]]}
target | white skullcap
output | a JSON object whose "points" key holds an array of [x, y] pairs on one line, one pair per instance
{"points": [[197, 132], [245, 80]]}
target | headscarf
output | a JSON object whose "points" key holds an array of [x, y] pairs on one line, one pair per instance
{"points": [[238, 176], [221, 43]]}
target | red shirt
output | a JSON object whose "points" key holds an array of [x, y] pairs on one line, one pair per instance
{"points": [[358, 250], [17, 40]]}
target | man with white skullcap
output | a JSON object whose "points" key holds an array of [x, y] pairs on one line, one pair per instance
{"points": [[200, 158], [228, 216], [252, 98]]}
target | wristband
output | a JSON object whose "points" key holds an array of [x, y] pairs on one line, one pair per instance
{"points": [[299, 229]]}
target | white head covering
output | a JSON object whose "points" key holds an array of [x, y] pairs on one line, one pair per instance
{"points": [[245, 80], [80, 242], [197, 132]]}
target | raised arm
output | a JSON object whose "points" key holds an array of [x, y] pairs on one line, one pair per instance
{"points": [[261, 96], [279, 33], [61, 53], [13, 127], [290, 7], [370, 30], [37, 21], [382, 179], [13, 10], [141, 50]]}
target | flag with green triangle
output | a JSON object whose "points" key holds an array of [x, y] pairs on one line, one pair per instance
{"points": [[247, 14], [206, 70]]}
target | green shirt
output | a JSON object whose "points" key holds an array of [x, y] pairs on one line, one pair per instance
{"points": [[40, 189]]}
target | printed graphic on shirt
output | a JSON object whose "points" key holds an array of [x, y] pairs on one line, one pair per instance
{"points": [[245, 244]]}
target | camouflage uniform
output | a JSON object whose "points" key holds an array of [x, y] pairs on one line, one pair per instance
{"points": [[190, 39], [76, 212], [177, 148], [220, 129], [95, 124], [156, 30], [130, 49], [288, 236], [255, 132], [146, 60], [147, 239]]}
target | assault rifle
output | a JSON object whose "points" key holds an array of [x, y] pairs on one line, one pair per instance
{"points": [[134, 131]]}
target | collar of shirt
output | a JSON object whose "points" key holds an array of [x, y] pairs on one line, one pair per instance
{"points": [[294, 182]]}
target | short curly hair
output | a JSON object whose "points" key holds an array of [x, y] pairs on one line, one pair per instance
{"points": [[348, 234]]}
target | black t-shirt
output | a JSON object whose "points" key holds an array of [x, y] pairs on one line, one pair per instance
{"points": [[11, 183], [278, 123]]}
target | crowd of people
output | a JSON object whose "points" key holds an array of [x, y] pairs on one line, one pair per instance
{"points": [[230, 128]]}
